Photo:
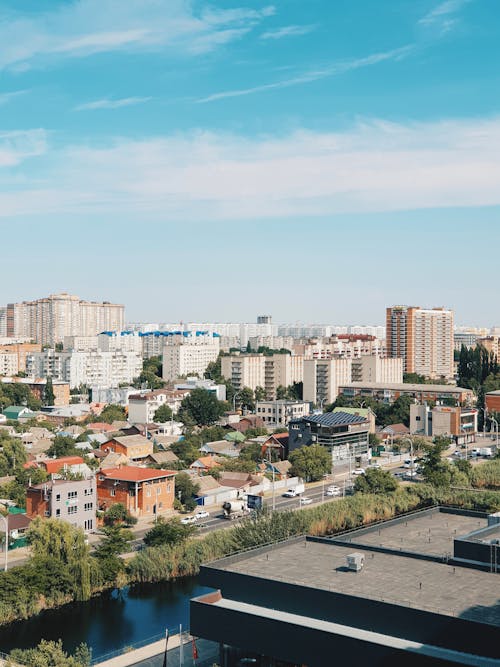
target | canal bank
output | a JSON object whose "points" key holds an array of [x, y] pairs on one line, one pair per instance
{"points": [[116, 620]]}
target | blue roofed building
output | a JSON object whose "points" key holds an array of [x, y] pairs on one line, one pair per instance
{"points": [[345, 435]]}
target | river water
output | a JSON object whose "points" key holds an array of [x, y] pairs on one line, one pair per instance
{"points": [[111, 621]]}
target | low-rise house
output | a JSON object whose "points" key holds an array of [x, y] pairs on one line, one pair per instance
{"points": [[72, 464], [143, 491], [69, 500], [17, 524], [275, 446], [281, 469], [247, 422], [100, 427], [241, 481], [221, 448], [17, 412], [164, 441], [393, 431], [113, 460], [162, 458], [204, 464], [134, 447]]}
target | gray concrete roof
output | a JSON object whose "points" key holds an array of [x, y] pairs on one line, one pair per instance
{"points": [[420, 584]]}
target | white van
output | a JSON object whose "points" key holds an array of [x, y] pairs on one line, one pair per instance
{"points": [[410, 463]]}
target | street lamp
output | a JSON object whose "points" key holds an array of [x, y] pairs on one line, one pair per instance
{"points": [[496, 430], [273, 473], [411, 454], [6, 524], [485, 410], [234, 399]]}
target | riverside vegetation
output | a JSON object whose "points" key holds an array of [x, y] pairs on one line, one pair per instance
{"points": [[61, 568]]}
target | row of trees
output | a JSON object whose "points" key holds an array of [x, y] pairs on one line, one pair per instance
{"points": [[385, 413]]}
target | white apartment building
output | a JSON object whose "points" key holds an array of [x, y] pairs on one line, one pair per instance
{"points": [[94, 369], [47, 321], [3, 321], [120, 341], [9, 363], [258, 370], [277, 414], [189, 353], [376, 369], [143, 406], [152, 343], [322, 378], [272, 342]]}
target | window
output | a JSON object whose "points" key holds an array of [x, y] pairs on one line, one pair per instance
{"points": [[158, 491], [148, 492], [88, 506], [112, 493], [72, 494], [88, 492], [58, 512], [73, 509], [58, 496]]}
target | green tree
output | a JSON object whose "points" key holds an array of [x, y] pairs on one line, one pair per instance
{"points": [[201, 407], [63, 445], [260, 394], [435, 470], [251, 452], [163, 414], [185, 489], [51, 654], [117, 515], [112, 413], [281, 393], [59, 541], [168, 532], [375, 480], [48, 393], [310, 463], [245, 398], [115, 542]]}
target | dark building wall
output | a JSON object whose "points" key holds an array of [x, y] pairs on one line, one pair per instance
{"points": [[358, 612], [296, 643]]}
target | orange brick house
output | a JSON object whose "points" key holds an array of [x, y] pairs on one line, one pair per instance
{"points": [[143, 491]]}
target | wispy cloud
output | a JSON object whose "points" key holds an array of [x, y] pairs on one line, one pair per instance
{"points": [[86, 27], [333, 69], [5, 98], [17, 146], [441, 17], [112, 104], [374, 166], [288, 31]]}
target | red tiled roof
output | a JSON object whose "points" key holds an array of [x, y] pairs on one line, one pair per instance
{"points": [[206, 462], [54, 465], [132, 474]]}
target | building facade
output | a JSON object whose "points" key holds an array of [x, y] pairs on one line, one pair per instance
{"points": [[458, 423], [74, 501], [143, 491], [423, 338], [323, 377], [259, 370], [189, 353], [142, 407], [278, 414], [47, 321], [388, 393], [377, 369]]}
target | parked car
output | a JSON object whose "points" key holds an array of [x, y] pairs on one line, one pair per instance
{"points": [[410, 475], [374, 464], [409, 463], [333, 491], [358, 471], [305, 501], [202, 514], [188, 519]]}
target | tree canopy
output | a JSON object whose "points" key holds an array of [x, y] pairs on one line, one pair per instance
{"points": [[168, 532], [375, 480], [310, 463], [201, 407], [163, 414]]}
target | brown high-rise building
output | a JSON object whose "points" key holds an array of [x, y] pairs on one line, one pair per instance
{"points": [[423, 338]]}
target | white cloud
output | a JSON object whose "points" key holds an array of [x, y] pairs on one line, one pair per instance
{"points": [[334, 69], [85, 27], [16, 146], [376, 166], [5, 98], [439, 17], [288, 31], [112, 104]]}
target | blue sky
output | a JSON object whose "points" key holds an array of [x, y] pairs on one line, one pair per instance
{"points": [[315, 160]]}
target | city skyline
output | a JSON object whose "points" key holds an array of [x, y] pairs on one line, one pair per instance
{"points": [[204, 161]]}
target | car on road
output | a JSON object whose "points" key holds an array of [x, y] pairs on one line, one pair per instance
{"points": [[305, 501], [410, 475], [358, 471], [374, 464], [333, 491], [188, 519], [202, 514], [409, 463]]}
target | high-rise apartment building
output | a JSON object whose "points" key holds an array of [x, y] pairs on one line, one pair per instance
{"points": [[259, 370], [47, 321], [189, 353], [423, 338], [322, 378]]}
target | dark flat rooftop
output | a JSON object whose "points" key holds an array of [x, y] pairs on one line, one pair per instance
{"points": [[427, 533], [400, 580]]}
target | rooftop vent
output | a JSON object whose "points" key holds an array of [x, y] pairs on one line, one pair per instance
{"points": [[355, 561]]}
